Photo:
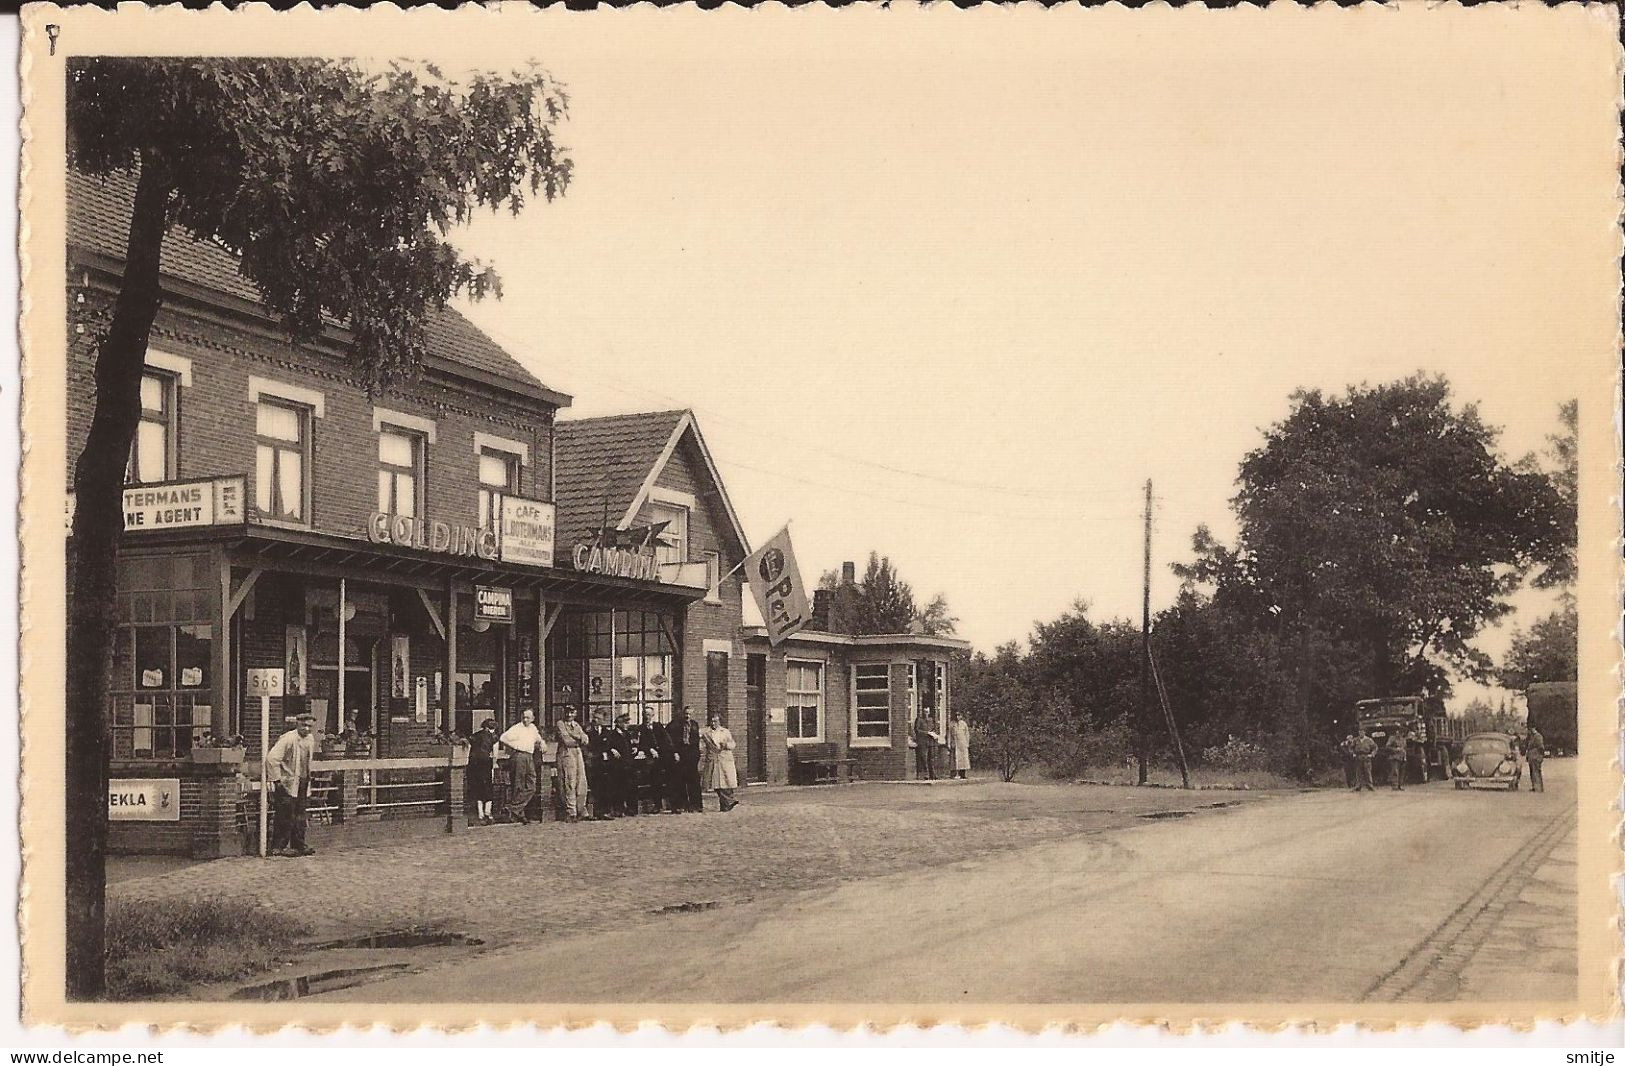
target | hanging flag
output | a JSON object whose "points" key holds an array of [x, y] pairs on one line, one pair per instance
{"points": [[776, 582]]}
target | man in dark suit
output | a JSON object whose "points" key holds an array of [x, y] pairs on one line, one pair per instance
{"points": [[651, 755], [683, 780], [624, 762], [601, 775]]}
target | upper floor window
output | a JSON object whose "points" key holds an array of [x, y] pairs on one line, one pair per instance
{"points": [[499, 477], [400, 471], [153, 452], [281, 460], [672, 547]]}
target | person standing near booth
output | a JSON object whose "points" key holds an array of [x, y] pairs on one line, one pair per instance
{"points": [[959, 745], [926, 739], [523, 740], [1534, 753], [288, 768], [571, 764]]}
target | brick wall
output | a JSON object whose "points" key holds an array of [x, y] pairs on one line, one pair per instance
{"points": [[207, 828], [216, 417]]}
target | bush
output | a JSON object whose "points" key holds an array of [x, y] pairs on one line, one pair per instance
{"points": [[160, 948], [1238, 754]]}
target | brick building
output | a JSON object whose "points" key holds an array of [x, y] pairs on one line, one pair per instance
{"points": [[413, 563], [393, 556]]}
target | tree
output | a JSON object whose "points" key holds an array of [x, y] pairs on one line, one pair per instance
{"points": [[1549, 651], [1016, 726], [1385, 521], [337, 188], [882, 602]]}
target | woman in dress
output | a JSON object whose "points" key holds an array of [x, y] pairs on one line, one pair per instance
{"points": [[717, 744], [959, 744], [480, 765], [572, 765]]}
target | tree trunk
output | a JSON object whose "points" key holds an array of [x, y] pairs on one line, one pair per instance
{"points": [[98, 525]]}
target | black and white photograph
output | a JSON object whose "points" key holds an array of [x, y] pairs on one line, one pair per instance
{"points": [[872, 515]]}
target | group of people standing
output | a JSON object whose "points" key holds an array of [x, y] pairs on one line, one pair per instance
{"points": [[927, 738], [1359, 750], [615, 767]]}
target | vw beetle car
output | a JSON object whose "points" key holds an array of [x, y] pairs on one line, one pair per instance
{"points": [[1488, 761]]}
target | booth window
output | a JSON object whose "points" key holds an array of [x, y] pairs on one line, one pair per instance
{"points": [[281, 457], [499, 477], [871, 683], [153, 452], [803, 699], [400, 471]]}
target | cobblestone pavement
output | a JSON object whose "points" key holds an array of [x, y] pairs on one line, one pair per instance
{"points": [[512, 884]]}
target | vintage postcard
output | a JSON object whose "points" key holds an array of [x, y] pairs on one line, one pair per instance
{"points": [[891, 515]]}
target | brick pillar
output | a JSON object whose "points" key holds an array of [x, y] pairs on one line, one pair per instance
{"points": [[214, 819]]}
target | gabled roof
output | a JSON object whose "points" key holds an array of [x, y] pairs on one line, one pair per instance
{"points": [[609, 464], [99, 221]]}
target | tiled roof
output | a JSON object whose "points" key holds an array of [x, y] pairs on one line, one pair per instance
{"points": [[99, 221], [604, 459]]}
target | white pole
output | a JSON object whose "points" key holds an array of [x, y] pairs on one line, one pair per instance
{"points": [[342, 664], [265, 748]]}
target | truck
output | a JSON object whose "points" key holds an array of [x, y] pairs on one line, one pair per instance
{"points": [[1434, 735], [1554, 709]]}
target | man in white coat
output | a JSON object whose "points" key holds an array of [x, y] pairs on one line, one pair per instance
{"points": [[287, 766], [959, 744]]}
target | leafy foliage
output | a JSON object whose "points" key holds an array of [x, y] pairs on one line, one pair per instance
{"points": [[880, 601], [1016, 725], [1549, 651], [337, 186]]}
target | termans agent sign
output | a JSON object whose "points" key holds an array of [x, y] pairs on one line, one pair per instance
{"points": [[493, 604], [184, 504], [144, 799]]}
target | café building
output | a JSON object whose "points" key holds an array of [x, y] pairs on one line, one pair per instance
{"points": [[392, 564]]}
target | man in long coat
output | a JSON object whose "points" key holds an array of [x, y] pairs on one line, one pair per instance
{"points": [[601, 777], [1534, 753], [683, 771], [624, 764], [959, 745]]}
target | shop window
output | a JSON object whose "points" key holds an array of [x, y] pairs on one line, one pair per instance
{"points": [[170, 705], [499, 477], [672, 545], [871, 683], [281, 459], [400, 471], [153, 452], [476, 699], [803, 699]]}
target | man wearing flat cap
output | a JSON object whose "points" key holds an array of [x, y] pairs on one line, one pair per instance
{"points": [[625, 747], [287, 766]]}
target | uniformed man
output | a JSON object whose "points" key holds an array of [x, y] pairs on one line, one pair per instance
{"points": [[1345, 749], [1398, 751], [1534, 753], [1365, 749]]}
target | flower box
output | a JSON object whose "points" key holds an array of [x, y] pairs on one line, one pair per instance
{"points": [[218, 756]]}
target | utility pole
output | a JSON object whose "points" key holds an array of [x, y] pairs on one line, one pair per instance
{"points": [[1145, 643]]}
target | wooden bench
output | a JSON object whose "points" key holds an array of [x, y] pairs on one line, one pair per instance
{"points": [[819, 763]]}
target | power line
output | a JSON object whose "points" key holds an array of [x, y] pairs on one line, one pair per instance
{"points": [[713, 415]]}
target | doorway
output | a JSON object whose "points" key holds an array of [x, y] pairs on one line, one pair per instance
{"points": [[756, 717]]}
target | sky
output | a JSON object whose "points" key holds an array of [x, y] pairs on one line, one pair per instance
{"points": [[953, 290]]}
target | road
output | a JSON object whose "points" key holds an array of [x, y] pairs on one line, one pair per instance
{"points": [[1427, 894]]}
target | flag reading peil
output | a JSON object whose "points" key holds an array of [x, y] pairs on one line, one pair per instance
{"points": [[776, 582]]}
